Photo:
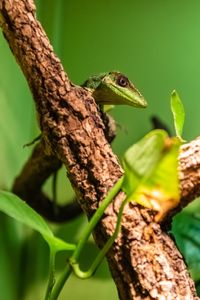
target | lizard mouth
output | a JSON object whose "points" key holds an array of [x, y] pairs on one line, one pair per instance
{"points": [[130, 97]]}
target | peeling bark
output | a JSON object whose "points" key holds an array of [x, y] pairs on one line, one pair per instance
{"points": [[144, 261]]}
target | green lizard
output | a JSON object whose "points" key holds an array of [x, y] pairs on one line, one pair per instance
{"points": [[109, 89], [113, 88]]}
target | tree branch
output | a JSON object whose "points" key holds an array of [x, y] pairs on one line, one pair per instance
{"points": [[28, 186], [144, 261]]}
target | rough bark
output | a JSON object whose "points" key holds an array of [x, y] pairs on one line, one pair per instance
{"points": [[144, 261]]}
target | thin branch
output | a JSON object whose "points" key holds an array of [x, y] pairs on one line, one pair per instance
{"points": [[28, 186]]}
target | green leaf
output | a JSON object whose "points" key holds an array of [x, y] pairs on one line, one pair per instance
{"points": [[151, 172], [186, 228], [160, 191], [178, 114], [14, 207], [141, 159]]}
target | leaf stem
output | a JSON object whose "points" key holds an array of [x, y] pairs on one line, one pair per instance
{"points": [[51, 280], [95, 219], [103, 251], [60, 283], [85, 235]]}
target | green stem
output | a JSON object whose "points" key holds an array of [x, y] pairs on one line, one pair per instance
{"points": [[60, 283], [95, 219], [103, 251], [86, 233], [51, 281]]}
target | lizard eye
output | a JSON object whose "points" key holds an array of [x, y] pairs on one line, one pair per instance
{"points": [[122, 81]]}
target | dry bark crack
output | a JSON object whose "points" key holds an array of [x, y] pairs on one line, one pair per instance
{"points": [[144, 261]]}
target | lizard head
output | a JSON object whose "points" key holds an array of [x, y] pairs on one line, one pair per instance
{"points": [[115, 88]]}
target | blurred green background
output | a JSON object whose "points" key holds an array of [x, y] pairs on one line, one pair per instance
{"points": [[156, 44]]}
